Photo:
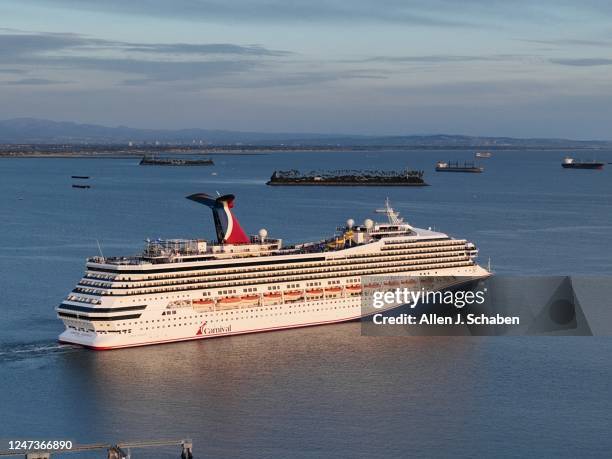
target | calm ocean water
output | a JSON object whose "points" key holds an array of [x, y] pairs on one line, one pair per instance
{"points": [[323, 391]]}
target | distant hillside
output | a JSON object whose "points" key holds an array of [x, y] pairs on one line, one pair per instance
{"points": [[39, 131]]}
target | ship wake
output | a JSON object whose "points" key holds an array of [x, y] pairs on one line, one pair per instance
{"points": [[22, 351]]}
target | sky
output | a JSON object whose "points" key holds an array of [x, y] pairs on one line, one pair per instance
{"points": [[477, 67]]}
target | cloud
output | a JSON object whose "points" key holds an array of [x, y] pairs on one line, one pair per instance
{"points": [[433, 59], [28, 43], [405, 12], [582, 62], [307, 78], [571, 42], [35, 81], [157, 70], [204, 49], [153, 61]]}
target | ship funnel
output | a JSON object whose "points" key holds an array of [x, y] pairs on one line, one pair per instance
{"points": [[228, 229]]}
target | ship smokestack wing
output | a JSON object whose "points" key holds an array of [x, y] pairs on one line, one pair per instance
{"points": [[228, 228]]}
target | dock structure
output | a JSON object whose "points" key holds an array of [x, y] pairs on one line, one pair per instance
{"points": [[117, 451]]}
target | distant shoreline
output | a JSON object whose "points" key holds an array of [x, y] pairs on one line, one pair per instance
{"points": [[120, 152]]}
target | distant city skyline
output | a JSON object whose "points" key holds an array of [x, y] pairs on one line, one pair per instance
{"points": [[485, 68]]}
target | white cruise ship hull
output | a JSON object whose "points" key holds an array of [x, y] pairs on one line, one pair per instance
{"points": [[188, 322]]}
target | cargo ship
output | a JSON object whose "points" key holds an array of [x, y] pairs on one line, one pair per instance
{"points": [[448, 166], [483, 154], [188, 289], [154, 161], [348, 178], [571, 163]]}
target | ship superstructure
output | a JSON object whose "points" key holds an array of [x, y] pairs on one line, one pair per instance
{"points": [[183, 289]]}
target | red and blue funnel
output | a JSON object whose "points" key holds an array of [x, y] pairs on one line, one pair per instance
{"points": [[228, 229]]}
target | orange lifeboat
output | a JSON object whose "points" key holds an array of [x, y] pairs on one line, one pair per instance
{"points": [[231, 300], [250, 299], [368, 286], [314, 292], [333, 291], [292, 295], [272, 295], [353, 288], [204, 302]]}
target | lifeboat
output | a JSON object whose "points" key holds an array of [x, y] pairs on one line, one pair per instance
{"points": [[333, 291], [367, 286], [408, 283], [272, 295], [293, 295], [203, 302], [354, 288], [230, 300], [393, 283], [250, 300], [314, 292], [273, 298]]}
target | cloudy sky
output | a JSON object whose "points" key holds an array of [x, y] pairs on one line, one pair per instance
{"points": [[482, 67]]}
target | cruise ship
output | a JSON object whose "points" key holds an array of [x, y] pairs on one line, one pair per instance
{"points": [[186, 289]]}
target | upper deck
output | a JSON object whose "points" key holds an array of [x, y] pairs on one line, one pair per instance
{"points": [[349, 236]]}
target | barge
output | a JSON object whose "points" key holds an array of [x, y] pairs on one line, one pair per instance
{"points": [[155, 161], [347, 178], [449, 166]]}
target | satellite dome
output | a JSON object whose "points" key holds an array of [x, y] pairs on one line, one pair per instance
{"points": [[369, 224], [263, 233], [350, 223]]}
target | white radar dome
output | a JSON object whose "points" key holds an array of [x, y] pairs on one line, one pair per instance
{"points": [[369, 224], [263, 233], [350, 223]]}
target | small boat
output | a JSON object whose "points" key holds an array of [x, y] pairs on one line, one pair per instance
{"points": [[293, 294], [203, 302], [230, 300], [203, 305], [333, 291], [314, 292], [367, 286], [272, 298], [571, 163], [444, 166], [272, 295], [483, 154], [84, 177], [75, 185], [250, 300]]}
